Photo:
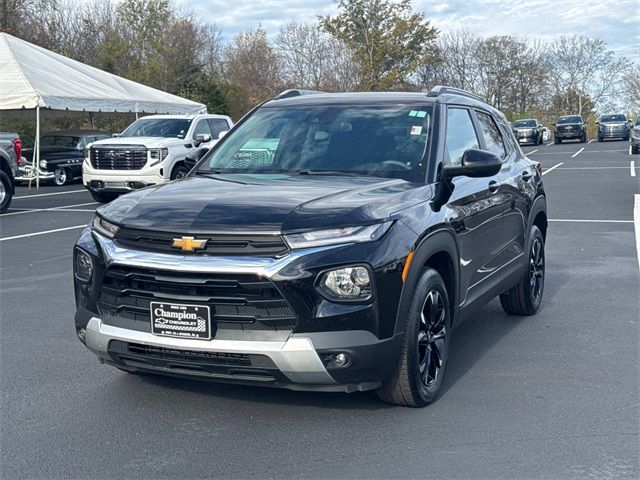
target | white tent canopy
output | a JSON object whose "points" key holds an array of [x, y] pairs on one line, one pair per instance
{"points": [[33, 77]]}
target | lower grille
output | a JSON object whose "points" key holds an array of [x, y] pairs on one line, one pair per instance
{"points": [[237, 301], [121, 157]]}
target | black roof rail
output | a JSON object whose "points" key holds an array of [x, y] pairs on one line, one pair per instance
{"points": [[295, 92], [443, 89]]}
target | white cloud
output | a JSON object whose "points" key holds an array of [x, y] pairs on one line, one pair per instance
{"points": [[615, 21]]}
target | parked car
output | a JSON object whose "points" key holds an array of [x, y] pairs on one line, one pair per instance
{"points": [[635, 136], [613, 126], [10, 154], [570, 127], [149, 152], [528, 131], [61, 156], [329, 242]]}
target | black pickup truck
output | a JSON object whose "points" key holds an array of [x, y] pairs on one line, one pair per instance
{"points": [[329, 242], [61, 156]]}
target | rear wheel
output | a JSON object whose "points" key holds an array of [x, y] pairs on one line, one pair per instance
{"points": [[526, 297], [103, 197], [583, 138], [600, 139], [60, 176], [635, 149], [557, 140], [418, 377], [5, 192]]}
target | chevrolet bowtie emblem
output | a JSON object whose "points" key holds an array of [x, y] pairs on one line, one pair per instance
{"points": [[188, 244]]}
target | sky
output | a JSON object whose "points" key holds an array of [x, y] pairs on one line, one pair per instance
{"points": [[617, 22]]}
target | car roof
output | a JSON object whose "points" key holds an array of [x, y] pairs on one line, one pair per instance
{"points": [[76, 133], [525, 120], [377, 98]]}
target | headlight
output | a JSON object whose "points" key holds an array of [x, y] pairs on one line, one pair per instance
{"points": [[336, 236], [104, 228], [346, 283], [43, 164], [157, 155], [83, 265]]}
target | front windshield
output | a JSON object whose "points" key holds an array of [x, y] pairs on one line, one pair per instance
{"points": [[382, 141], [613, 118], [571, 119], [59, 141], [158, 127], [524, 124]]}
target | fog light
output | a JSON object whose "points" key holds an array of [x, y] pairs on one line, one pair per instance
{"points": [[83, 265], [81, 332], [337, 360]]}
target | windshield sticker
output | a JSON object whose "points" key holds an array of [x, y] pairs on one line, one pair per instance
{"points": [[416, 130], [413, 113], [421, 114]]}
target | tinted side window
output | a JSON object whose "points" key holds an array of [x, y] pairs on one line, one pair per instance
{"points": [[461, 135], [202, 128], [218, 125], [492, 136]]}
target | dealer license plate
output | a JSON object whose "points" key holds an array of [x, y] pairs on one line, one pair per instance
{"points": [[179, 320]]}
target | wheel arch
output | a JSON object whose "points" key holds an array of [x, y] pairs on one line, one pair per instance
{"points": [[538, 215], [438, 250], [6, 168]]}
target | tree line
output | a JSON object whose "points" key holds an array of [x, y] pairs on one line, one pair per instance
{"points": [[368, 45]]}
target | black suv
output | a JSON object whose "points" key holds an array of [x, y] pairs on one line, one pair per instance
{"points": [[570, 127], [613, 126], [329, 242], [528, 131]]}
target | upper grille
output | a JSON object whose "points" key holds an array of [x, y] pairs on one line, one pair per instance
{"points": [[121, 157], [217, 244], [237, 301]]}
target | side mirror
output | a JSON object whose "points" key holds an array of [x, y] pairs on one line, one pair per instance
{"points": [[597, 122], [115, 135], [475, 163], [553, 124], [202, 138], [222, 134], [194, 157]]}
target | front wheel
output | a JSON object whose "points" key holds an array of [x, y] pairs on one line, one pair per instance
{"points": [[179, 171], [635, 149], [5, 192], [526, 297], [583, 138], [419, 374], [60, 176], [557, 141]]}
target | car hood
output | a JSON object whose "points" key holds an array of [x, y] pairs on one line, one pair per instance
{"points": [[149, 142], [53, 153], [258, 203]]}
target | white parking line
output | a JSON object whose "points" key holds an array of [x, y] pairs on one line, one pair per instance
{"points": [[544, 172], [47, 194], [51, 209], [632, 167], [584, 220], [630, 150], [588, 168], [577, 153], [636, 221], [532, 151], [590, 141], [26, 235], [550, 143]]}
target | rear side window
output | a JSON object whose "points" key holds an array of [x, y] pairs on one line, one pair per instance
{"points": [[218, 125], [492, 136], [461, 135]]}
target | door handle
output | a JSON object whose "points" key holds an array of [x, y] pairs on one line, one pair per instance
{"points": [[493, 186], [526, 176]]}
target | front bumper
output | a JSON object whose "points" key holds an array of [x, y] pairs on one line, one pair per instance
{"points": [[121, 181], [295, 364], [613, 133], [26, 173], [569, 135]]}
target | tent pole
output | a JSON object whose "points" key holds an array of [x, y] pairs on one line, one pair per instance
{"points": [[91, 120], [136, 115], [36, 148]]}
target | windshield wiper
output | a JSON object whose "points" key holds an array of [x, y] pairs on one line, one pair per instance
{"points": [[307, 171]]}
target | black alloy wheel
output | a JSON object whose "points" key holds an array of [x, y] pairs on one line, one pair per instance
{"points": [[536, 270], [431, 338]]}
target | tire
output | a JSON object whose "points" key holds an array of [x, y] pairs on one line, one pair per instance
{"points": [[600, 139], [417, 379], [583, 138], [60, 176], [526, 297], [179, 171], [6, 192], [557, 141], [103, 197], [635, 149]]}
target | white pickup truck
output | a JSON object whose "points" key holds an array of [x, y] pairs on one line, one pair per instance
{"points": [[149, 152]]}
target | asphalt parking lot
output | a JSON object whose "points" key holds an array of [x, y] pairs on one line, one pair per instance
{"points": [[551, 396]]}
